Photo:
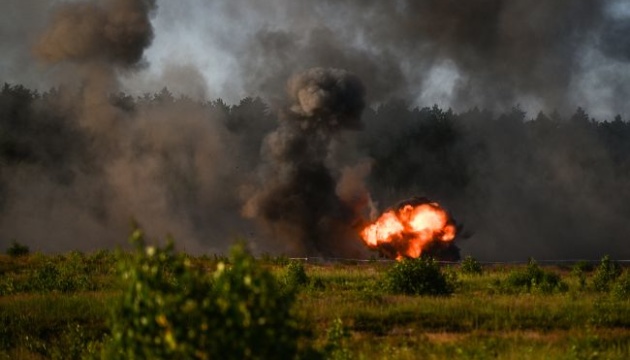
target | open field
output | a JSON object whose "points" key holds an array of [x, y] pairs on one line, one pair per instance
{"points": [[59, 307]]}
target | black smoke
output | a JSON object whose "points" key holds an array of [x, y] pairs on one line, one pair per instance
{"points": [[316, 154], [297, 198]]}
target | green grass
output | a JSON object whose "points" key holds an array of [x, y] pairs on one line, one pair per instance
{"points": [[478, 321]]}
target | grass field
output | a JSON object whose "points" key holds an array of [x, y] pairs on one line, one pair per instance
{"points": [[58, 307]]}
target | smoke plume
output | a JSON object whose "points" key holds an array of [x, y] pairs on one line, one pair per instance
{"points": [[487, 53], [113, 31], [297, 200], [113, 122]]}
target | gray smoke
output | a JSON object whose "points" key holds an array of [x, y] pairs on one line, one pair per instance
{"points": [[297, 199], [487, 53], [185, 167], [113, 31], [161, 160]]}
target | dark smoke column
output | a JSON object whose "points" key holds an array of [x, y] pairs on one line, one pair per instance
{"points": [[297, 200], [99, 38]]}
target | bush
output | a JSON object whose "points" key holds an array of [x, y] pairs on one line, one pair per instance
{"points": [[621, 288], [605, 274], [533, 278], [296, 274], [16, 249], [65, 274], [421, 276], [579, 270], [170, 310], [336, 347], [62, 274], [471, 266]]}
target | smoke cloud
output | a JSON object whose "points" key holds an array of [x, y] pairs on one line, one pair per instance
{"points": [[500, 52], [297, 200], [321, 123], [114, 31]]}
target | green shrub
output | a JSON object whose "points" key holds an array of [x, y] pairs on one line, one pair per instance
{"points": [[421, 276], [621, 288], [579, 270], [471, 266], [170, 310], [65, 274], [533, 278], [62, 276], [336, 348], [296, 274], [605, 274], [16, 249]]}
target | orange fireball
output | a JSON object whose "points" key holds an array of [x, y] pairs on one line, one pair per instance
{"points": [[408, 229]]}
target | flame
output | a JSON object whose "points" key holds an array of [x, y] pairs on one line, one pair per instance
{"points": [[408, 229]]}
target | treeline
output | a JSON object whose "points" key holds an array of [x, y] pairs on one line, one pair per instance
{"points": [[523, 185]]}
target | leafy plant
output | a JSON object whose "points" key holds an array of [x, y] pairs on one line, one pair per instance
{"points": [[296, 274], [579, 270], [336, 348], [605, 274], [171, 310], [621, 288], [421, 276], [471, 266], [533, 278]]}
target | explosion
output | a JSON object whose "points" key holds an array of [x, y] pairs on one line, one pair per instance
{"points": [[414, 227]]}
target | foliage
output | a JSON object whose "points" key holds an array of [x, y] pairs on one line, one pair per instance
{"points": [[67, 273], [170, 310], [533, 278], [16, 249], [605, 274], [337, 336], [296, 274], [621, 288], [471, 266], [421, 276], [58, 277], [475, 323], [579, 271]]}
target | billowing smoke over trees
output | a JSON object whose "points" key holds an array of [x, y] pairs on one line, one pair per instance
{"points": [[339, 131], [298, 200]]}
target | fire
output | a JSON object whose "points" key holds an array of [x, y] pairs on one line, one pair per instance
{"points": [[408, 229]]}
